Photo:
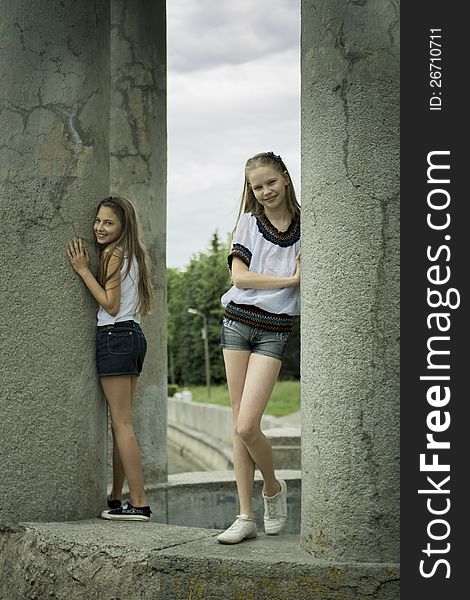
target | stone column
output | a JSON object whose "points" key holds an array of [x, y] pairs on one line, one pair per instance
{"points": [[350, 288], [138, 172], [54, 103]]}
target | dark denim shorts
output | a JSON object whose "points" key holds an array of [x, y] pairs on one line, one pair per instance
{"points": [[238, 336], [120, 349]]}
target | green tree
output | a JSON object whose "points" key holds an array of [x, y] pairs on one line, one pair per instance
{"points": [[200, 287], [175, 307]]}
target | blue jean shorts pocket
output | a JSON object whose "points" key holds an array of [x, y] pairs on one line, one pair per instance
{"points": [[282, 335], [120, 342]]}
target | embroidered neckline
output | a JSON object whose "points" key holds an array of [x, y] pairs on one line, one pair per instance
{"points": [[273, 235]]}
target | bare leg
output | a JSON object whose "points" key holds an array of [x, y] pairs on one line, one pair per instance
{"points": [[236, 364], [118, 391], [118, 470], [261, 376], [118, 473]]}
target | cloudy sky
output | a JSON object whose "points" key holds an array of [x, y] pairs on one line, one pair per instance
{"points": [[233, 91]]}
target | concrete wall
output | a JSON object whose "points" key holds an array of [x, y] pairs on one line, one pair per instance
{"points": [[211, 419], [200, 437], [350, 280], [196, 451], [209, 499], [138, 172], [54, 106]]}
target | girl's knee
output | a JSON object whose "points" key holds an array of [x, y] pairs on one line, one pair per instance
{"points": [[248, 432]]}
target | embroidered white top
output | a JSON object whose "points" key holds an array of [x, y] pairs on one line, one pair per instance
{"points": [[265, 250]]}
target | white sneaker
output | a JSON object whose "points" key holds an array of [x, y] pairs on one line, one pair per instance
{"points": [[243, 528], [275, 510]]}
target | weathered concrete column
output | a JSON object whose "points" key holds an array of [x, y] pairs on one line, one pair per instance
{"points": [[350, 270], [54, 103], [138, 172]]}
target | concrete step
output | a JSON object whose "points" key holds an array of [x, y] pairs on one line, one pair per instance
{"points": [[102, 560]]}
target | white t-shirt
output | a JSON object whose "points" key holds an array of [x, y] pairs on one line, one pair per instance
{"points": [[268, 251], [129, 297]]}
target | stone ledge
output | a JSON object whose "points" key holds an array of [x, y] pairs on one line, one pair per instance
{"points": [[98, 560]]}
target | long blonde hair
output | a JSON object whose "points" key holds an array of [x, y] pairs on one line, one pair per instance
{"points": [[248, 201], [132, 246]]}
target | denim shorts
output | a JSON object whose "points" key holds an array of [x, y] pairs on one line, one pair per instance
{"points": [[120, 349], [238, 336]]}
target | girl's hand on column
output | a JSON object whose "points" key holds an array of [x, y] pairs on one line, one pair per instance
{"points": [[297, 269], [78, 256]]}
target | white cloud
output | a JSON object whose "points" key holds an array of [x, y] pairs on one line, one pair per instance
{"points": [[222, 111], [214, 32]]}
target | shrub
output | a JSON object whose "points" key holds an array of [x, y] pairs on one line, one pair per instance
{"points": [[172, 389]]}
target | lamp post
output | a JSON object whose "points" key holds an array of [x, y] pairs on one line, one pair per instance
{"points": [[193, 311]]}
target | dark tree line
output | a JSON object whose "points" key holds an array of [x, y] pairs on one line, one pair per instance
{"points": [[200, 287]]}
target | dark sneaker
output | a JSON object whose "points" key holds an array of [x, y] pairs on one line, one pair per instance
{"points": [[127, 512], [114, 503]]}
